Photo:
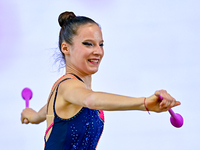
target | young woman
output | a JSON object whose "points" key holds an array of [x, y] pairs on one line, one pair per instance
{"points": [[73, 111]]}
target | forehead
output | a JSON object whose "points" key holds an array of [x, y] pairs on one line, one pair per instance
{"points": [[89, 31]]}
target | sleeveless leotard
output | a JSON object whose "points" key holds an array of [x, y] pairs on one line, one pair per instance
{"points": [[81, 132]]}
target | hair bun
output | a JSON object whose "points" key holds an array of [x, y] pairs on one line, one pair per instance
{"points": [[65, 17]]}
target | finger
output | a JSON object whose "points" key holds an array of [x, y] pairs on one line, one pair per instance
{"points": [[22, 118], [164, 104], [173, 103], [26, 121], [177, 103], [160, 92], [166, 108]]}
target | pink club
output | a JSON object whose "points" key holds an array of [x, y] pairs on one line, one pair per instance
{"points": [[175, 119], [27, 95]]}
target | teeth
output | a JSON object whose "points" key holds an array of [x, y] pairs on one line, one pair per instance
{"points": [[95, 61]]}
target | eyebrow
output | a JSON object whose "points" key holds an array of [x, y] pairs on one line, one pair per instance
{"points": [[93, 40]]}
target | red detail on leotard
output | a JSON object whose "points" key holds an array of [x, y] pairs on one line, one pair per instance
{"points": [[48, 128], [101, 115]]}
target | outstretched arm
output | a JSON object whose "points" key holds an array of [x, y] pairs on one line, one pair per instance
{"points": [[75, 92], [29, 115]]}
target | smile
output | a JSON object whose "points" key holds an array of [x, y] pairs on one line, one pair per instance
{"points": [[94, 61]]}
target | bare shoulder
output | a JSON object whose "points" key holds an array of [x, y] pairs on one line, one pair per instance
{"points": [[71, 84], [73, 91]]}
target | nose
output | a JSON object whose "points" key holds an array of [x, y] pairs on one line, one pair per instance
{"points": [[98, 51]]}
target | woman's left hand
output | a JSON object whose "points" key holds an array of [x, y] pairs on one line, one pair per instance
{"points": [[154, 103]]}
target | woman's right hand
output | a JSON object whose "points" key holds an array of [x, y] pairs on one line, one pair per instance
{"points": [[27, 115]]}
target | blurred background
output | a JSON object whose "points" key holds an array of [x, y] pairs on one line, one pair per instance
{"points": [[149, 45]]}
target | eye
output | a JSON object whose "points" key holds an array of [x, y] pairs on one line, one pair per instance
{"points": [[101, 44], [87, 43]]}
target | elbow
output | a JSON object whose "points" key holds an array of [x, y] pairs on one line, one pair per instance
{"points": [[90, 101]]}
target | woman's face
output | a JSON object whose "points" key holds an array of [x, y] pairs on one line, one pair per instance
{"points": [[87, 50]]}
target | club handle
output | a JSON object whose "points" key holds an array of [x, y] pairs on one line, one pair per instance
{"points": [[27, 103], [172, 113]]}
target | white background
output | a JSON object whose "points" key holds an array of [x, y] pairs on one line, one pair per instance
{"points": [[149, 45]]}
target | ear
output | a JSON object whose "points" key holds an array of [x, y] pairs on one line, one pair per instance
{"points": [[65, 48]]}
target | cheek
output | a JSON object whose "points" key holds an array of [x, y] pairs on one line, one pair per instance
{"points": [[102, 53], [80, 55], [83, 53]]}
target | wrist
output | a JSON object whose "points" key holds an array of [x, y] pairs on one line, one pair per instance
{"points": [[145, 106]]}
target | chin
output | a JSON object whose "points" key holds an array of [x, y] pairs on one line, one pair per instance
{"points": [[93, 71]]}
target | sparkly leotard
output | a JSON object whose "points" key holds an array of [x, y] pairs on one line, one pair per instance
{"points": [[81, 132]]}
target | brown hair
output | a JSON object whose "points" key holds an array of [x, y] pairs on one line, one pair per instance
{"points": [[70, 23]]}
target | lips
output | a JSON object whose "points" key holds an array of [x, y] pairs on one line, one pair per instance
{"points": [[94, 61]]}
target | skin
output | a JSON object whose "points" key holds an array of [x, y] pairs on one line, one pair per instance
{"points": [[83, 58]]}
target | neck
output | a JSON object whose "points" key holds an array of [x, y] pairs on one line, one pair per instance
{"points": [[86, 78]]}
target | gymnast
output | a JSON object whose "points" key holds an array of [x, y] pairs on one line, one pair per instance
{"points": [[74, 113]]}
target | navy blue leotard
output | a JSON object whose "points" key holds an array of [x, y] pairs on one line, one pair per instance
{"points": [[81, 132]]}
